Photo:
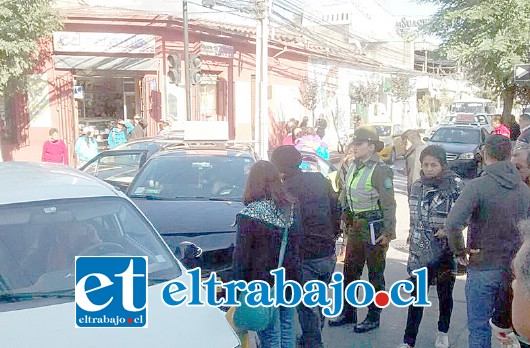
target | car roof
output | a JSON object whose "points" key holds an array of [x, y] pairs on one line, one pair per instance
{"points": [[34, 181], [462, 125], [203, 151]]}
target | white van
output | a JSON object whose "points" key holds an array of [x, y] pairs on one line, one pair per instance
{"points": [[48, 215]]}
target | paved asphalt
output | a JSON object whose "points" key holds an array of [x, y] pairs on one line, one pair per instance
{"points": [[393, 319]]}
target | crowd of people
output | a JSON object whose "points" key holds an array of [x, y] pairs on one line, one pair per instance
{"points": [[493, 207], [86, 146]]}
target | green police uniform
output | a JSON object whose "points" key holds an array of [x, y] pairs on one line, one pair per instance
{"points": [[367, 198]]}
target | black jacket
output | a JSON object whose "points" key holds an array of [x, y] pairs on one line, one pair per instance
{"points": [[494, 204], [258, 239], [525, 136], [320, 213]]}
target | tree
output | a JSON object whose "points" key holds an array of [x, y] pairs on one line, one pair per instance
{"points": [[365, 92], [22, 24], [401, 88], [425, 106], [487, 38], [523, 95], [308, 95]]}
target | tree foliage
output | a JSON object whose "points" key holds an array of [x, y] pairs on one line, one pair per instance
{"points": [[308, 93], [487, 38], [365, 92], [401, 87], [22, 24]]}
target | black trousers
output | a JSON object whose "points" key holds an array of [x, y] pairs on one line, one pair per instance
{"points": [[445, 282], [359, 253]]}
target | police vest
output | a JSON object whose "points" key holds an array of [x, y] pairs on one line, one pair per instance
{"points": [[361, 195]]}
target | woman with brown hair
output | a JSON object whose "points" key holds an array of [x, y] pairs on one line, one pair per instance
{"points": [[269, 210]]}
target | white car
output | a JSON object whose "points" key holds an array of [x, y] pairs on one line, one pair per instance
{"points": [[49, 214]]}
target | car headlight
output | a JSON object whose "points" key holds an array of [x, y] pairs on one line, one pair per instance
{"points": [[467, 156]]}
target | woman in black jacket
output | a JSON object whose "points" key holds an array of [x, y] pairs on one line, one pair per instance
{"points": [[431, 198], [268, 211]]}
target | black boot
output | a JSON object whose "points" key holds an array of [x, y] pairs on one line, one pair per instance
{"points": [[346, 317], [370, 323]]}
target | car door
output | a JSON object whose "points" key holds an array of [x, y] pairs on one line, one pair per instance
{"points": [[396, 139], [117, 167]]}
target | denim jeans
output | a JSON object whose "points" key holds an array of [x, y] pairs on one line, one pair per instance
{"points": [[281, 333], [311, 319], [484, 288]]}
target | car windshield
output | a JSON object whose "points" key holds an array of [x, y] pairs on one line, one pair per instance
{"points": [[40, 240], [192, 176], [383, 131], [456, 135]]}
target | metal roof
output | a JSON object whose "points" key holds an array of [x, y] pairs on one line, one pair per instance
{"points": [[34, 181]]}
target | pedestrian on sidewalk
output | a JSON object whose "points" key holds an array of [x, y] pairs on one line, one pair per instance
{"points": [[118, 135], [86, 147], [491, 206], [521, 288], [269, 209], [289, 127], [321, 124], [521, 159], [432, 197], [514, 128], [369, 205], [524, 124], [138, 131], [320, 213], [414, 146], [499, 128], [54, 150]]}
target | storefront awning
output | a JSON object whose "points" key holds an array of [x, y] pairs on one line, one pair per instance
{"points": [[105, 63]]}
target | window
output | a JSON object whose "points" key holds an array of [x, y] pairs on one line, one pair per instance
{"points": [[207, 99], [193, 176], [342, 17], [456, 135], [43, 239]]}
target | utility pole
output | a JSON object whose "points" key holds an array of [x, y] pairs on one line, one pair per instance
{"points": [[262, 76], [187, 84]]}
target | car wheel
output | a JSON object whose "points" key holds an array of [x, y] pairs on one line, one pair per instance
{"points": [[392, 158]]}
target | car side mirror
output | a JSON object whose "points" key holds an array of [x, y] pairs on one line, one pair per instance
{"points": [[426, 139], [187, 251]]}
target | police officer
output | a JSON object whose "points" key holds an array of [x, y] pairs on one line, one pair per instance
{"points": [[367, 198]]}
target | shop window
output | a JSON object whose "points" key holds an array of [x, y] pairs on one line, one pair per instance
{"points": [[209, 94]]}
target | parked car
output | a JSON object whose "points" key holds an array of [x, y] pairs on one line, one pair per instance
{"points": [[48, 215], [390, 135], [462, 144], [119, 165], [192, 194]]}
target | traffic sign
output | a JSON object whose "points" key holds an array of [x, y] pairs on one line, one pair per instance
{"points": [[79, 92], [522, 73]]}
